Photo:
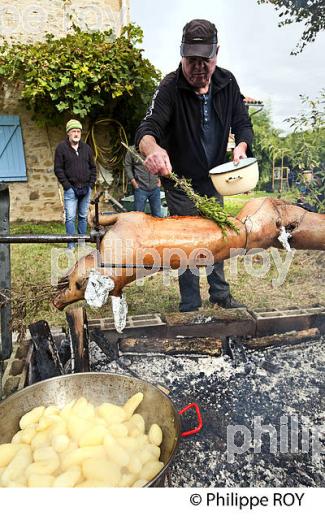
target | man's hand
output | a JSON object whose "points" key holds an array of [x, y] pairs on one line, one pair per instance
{"points": [[239, 152], [134, 184], [157, 160]]}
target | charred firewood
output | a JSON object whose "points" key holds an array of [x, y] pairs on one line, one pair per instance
{"points": [[79, 339], [47, 362]]}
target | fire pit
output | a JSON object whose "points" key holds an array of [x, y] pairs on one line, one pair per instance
{"points": [[280, 386]]}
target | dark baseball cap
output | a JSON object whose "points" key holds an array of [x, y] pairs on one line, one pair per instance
{"points": [[200, 38]]}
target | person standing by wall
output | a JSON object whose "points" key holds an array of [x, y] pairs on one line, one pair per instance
{"points": [[75, 169], [145, 185]]}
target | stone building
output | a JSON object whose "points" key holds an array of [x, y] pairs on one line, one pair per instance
{"points": [[34, 192]]}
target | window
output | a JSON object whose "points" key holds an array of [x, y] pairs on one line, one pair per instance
{"points": [[12, 157]]}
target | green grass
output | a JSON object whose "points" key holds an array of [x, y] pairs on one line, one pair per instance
{"points": [[234, 203], [32, 228], [31, 279]]}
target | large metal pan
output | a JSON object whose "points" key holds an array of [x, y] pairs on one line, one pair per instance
{"points": [[156, 407]]}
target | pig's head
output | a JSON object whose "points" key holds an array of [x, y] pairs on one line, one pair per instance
{"points": [[71, 288]]}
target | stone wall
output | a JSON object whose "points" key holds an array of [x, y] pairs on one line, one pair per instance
{"points": [[39, 198], [30, 20]]}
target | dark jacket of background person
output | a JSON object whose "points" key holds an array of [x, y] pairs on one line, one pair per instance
{"points": [[134, 169], [74, 169], [174, 116]]}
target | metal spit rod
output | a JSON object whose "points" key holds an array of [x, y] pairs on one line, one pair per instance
{"points": [[44, 239], [95, 237]]}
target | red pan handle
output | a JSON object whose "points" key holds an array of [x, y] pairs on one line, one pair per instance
{"points": [[199, 419]]}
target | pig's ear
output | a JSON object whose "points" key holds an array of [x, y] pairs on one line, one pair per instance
{"points": [[81, 283]]}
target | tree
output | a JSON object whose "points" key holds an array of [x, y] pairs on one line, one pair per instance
{"points": [[311, 12], [86, 75], [268, 145], [97, 77], [307, 139], [307, 143]]}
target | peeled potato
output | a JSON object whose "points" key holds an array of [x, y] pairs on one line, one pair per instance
{"points": [[132, 404], [81, 446], [111, 413], [155, 450], [155, 435], [142, 441], [116, 452], [43, 467], [77, 456], [59, 427], [40, 440], [129, 443], [66, 411], [150, 469], [135, 432], [21, 482], [45, 422], [17, 466], [60, 442], [118, 430], [7, 453], [146, 455], [102, 469], [72, 446], [69, 478], [140, 483], [93, 436], [92, 484], [51, 410], [44, 453], [127, 480], [28, 434], [136, 422], [83, 409], [17, 438], [135, 465], [38, 480], [31, 417], [99, 421], [77, 426]]}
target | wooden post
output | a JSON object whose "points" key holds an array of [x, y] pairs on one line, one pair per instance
{"points": [[5, 274], [79, 339], [281, 175], [273, 173]]}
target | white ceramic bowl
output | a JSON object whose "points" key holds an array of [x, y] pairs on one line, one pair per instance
{"points": [[229, 179]]}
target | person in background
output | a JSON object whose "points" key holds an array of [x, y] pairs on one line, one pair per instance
{"points": [[75, 169], [145, 185], [186, 130]]}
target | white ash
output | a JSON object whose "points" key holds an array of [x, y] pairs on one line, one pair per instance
{"points": [[276, 381]]}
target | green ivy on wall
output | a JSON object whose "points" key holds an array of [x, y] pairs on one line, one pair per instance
{"points": [[84, 74]]}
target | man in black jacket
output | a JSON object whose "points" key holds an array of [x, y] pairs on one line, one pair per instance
{"points": [[186, 130], [75, 169]]}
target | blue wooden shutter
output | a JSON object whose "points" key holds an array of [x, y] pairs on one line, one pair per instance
{"points": [[12, 158]]}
